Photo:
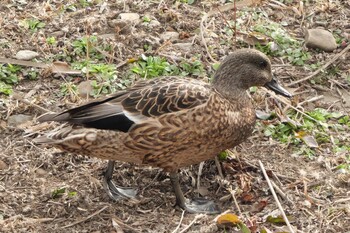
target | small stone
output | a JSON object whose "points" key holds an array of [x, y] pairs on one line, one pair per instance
{"points": [[40, 172], [26, 55], [306, 203], [169, 36], [121, 26], [154, 23], [85, 89], [27, 209], [18, 119], [320, 39], [186, 47], [133, 17], [3, 165]]}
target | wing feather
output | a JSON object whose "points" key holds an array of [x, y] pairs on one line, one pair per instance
{"points": [[146, 99]]}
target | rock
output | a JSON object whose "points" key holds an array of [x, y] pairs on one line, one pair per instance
{"points": [[18, 119], [40, 172], [186, 47], [154, 23], [3, 165], [169, 36], [85, 89], [26, 55], [320, 39], [132, 17], [121, 26]]}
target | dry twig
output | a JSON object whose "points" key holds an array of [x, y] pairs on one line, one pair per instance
{"points": [[87, 218], [275, 197], [178, 225], [193, 222], [123, 225]]}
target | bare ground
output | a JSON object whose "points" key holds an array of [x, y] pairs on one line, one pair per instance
{"points": [[313, 193]]}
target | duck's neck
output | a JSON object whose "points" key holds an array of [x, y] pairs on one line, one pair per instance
{"points": [[232, 95]]}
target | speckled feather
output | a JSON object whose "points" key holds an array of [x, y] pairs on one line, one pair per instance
{"points": [[168, 122]]}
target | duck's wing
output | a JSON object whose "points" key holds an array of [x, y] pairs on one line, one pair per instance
{"points": [[143, 101]]}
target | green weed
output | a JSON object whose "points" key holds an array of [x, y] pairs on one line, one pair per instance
{"points": [[8, 78], [150, 67], [32, 24]]}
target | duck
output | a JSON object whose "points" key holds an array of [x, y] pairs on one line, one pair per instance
{"points": [[167, 122]]}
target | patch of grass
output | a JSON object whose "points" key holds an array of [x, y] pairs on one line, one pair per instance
{"points": [[69, 88], [105, 77], [8, 78], [308, 133], [283, 44], [32, 24], [150, 67], [60, 192]]}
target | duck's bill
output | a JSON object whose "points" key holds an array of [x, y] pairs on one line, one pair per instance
{"points": [[276, 87]]}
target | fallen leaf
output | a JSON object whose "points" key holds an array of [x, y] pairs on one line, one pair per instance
{"points": [[228, 219]]}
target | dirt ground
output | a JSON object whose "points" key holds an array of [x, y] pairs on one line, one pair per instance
{"points": [[313, 193]]}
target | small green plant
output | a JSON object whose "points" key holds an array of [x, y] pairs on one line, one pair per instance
{"points": [[82, 45], [58, 193], [8, 77], [32, 24], [86, 3], [51, 40], [150, 67], [68, 88], [105, 78], [146, 19]]}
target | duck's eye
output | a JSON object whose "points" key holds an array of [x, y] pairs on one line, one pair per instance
{"points": [[263, 64]]}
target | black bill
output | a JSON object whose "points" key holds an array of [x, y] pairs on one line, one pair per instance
{"points": [[276, 87]]}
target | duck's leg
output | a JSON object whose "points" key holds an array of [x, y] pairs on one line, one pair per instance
{"points": [[193, 206], [114, 191]]}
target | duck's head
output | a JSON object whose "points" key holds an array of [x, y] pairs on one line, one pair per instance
{"points": [[243, 69]]}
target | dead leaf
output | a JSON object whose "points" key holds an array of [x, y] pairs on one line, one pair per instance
{"points": [[63, 68], [259, 206], [247, 197], [309, 140], [228, 219]]}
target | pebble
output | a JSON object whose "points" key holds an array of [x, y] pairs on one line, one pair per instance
{"points": [[154, 23], [186, 47], [85, 89], [18, 119], [40, 172], [121, 26], [26, 55], [3, 165], [320, 39], [169, 36], [133, 17]]}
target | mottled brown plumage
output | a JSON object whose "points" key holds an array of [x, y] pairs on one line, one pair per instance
{"points": [[169, 122]]}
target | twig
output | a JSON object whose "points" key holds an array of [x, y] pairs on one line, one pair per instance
{"points": [[84, 219], [233, 194], [20, 98], [282, 99], [178, 226], [200, 169], [279, 191], [193, 221], [321, 68], [120, 222], [275, 197], [218, 166]]}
